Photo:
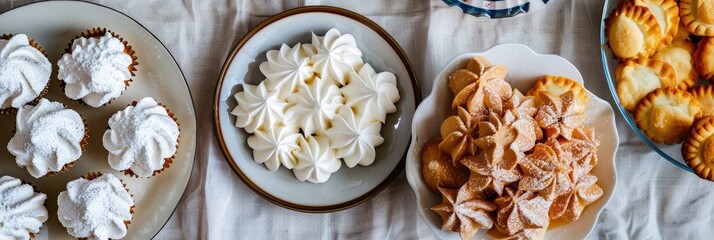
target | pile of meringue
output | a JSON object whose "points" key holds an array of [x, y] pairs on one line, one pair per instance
{"points": [[319, 105]]}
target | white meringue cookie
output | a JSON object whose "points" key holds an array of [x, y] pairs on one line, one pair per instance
{"points": [[337, 55], [372, 94], [274, 146], [24, 72], [47, 137], [287, 68], [314, 105], [354, 138], [258, 107], [22, 210], [316, 160]]}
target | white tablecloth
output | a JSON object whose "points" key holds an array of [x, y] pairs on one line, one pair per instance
{"points": [[653, 199]]}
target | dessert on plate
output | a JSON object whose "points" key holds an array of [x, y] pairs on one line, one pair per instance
{"points": [[24, 72], [22, 209]]}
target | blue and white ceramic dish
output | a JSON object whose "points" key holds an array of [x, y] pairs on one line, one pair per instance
{"points": [[497, 8]]}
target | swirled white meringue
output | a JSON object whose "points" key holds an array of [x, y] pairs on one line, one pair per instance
{"points": [[287, 68], [24, 72], [314, 105], [316, 160], [95, 209], [337, 55], [47, 137], [354, 138], [258, 107], [274, 146], [372, 94], [141, 137], [22, 210], [95, 70]]}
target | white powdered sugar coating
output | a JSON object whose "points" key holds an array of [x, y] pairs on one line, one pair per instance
{"points": [[24, 72], [47, 137], [141, 137], [22, 210], [314, 108], [95, 70], [95, 209]]}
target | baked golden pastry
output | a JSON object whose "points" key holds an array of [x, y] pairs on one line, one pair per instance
{"points": [[705, 96], [682, 33], [698, 148], [666, 114], [478, 64], [490, 96], [459, 133], [580, 150], [632, 32], [464, 212], [558, 85], [698, 16], [667, 14], [521, 210], [637, 78], [679, 55], [438, 169], [557, 114], [545, 172], [704, 58], [460, 79], [570, 205]]}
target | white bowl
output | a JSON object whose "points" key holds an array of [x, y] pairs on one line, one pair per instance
{"points": [[525, 66]]}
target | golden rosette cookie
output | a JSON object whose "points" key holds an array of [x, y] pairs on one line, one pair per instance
{"points": [[524, 107], [666, 114], [580, 150], [489, 83], [520, 211], [459, 133], [698, 148], [698, 16], [570, 205], [438, 169], [667, 14], [679, 55], [488, 176], [489, 97], [557, 114], [637, 78], [558, 85], [632, 32], [478, 64], [545, 172], [505, 138], [705, 96], [464, 212], [460, 79], [704, 58]]}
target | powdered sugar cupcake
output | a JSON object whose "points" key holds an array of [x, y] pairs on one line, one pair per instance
{"points": [[22, 209], [24, 72], [97, 67], [48, 138]]}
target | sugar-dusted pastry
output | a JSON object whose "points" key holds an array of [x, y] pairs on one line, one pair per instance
{"points": [[48, 139], [96, 206], [336, 55], [24, 71], [698, 148], [667, 14], [459, 132], [679, 55], [490, 96], [460, 79], [704, 58], [558, 85], [557, 115], [464, 212], [637, 78], [666, 114], [274, 146], [570, 205], [545, 172], [353, 138], [23, 210], [488, 176], [142, 138], [698, 16], [316, 160], [438, 169], [371, 94], [520, 211], [580, 150], [506, 138], [478, 64], [705, 96], [632, 32]]}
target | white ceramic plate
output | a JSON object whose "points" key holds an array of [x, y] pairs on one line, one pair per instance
{"points": [[525, 67], [54, 24], [348, 186]]}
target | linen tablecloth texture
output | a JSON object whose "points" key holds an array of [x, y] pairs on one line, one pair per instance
{"points": [[653, 199]]}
